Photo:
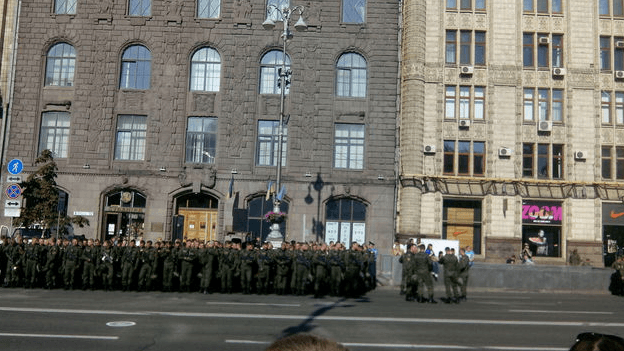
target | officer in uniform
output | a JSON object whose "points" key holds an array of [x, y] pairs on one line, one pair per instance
{"points": [[51, 264], [320, 263], [128, 260], [423, 266], [71, 263], [264, 261], [106, 266], [283, 264], [186, 256], [89, 259], [451, 269], [463, 272], [247, 260]]}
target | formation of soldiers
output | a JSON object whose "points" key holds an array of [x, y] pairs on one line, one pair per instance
{"points": [[418, 274], [295, 268]]}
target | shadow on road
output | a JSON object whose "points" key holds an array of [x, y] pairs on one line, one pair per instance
{"points": [[307, 325]]}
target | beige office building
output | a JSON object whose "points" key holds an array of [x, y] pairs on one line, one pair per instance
{"points": [[512, 126]]}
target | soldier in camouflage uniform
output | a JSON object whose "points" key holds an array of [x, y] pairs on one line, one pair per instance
{"points": [[71, 262], [264, 262], [128, 260], [106, 265], [51, 264], [320, 263], [146, 259], [14, 253], [422, 268], [170, 262], [283, 264], [451, 270], [187, 256], [247, 260], [32, 252], [208, 262], [89, 259]]}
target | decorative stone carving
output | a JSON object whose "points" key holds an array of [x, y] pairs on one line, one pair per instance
{"points": [[210, 178]]}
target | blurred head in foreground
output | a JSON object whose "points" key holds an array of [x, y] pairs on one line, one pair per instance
{"points": [[305, 342]]}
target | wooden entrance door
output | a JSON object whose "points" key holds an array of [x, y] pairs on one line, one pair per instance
{"points": [[200, 224]]}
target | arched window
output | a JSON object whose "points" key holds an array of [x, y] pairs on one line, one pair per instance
{"points": [[60, 65], [351, 75], [257, 225], [124, 214], [270, 65], [136, 68], [205, 70], [345, 221]]}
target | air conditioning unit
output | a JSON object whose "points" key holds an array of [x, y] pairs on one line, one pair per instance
{"points": [[619, 74], [559, 72], [544, 40], [466, 70], [429, 149], [580, 155], [619, 44], [504, 152], [464, 123], [544, 126]]}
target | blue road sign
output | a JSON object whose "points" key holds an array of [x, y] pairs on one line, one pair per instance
{"points": [[15, 166], [13, 191]]}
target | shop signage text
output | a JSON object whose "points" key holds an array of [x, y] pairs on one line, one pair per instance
{"points": [[541, 213]]}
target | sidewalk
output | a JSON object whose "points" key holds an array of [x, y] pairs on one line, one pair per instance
{"points": [[506, 277]]}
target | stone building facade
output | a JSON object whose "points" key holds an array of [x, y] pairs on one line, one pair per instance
{"points": [[160, 109], [512, 127]]}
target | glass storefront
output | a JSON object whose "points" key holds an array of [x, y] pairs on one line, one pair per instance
{"points": [[541, 227]]}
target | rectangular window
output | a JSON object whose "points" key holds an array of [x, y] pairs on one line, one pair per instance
{"points": [[604, 8], [479, 58], [54, 134], [542, 50], [465, 47], [542, 6], [268, 142], [449, 157], [618, 54], [542, 160], [354, 11], [527, 50], [465, 5], [618, 7], [208, 8], [606, 107], [131, 135], [544, 103], [607, 158], [619, 162], [201, 140], [451, 46], [140, 8], [451, 4], [619, 107], [349, 146], [470, 104], [65, 7], [527, 159], [605, 53], [557, 50], [464, 158], [274, 7], [450, 102]]}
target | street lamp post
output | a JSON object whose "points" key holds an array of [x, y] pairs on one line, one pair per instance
{"points": [[275, 236]]}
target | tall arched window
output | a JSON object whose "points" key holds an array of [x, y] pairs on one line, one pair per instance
{"points": [[136, 66], [205, 70], [60, 65], [345, 221], [124, 214], [270, 65], [351, 75], [257, 225]]}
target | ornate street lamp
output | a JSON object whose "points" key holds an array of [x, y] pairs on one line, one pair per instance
{"points": [[275, 236]]}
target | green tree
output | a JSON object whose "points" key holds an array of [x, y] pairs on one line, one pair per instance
{"points": [[41, 199]]}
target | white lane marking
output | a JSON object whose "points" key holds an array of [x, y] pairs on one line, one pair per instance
{"points": [[120, 324], [253, 304], [57, 336], [561, 312], [370, 319], [418, 346]]}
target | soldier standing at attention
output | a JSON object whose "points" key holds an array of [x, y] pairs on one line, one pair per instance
{"points": [[321, 267], [247, 260], [423, 267], [127, 265], [303, 264], [209, 261], [105, 265], [463, 269], [51, 264], [336, 268], [264, 259], [71, 261], [409, 278], [31, 257], [283, 261], [169, 263], [451, 264], [186, 257], [89, 258]]}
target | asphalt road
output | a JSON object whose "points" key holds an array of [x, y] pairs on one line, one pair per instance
{"points": [[382, 320]]}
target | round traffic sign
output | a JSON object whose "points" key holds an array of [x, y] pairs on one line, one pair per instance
{"points": [[13, 191], [15, 166]]}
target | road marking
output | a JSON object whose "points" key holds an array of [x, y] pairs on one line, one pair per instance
{"points": [[253, 304], [57, 336], [370, 319], [120, 324], [563, 312], [419, 346]]}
